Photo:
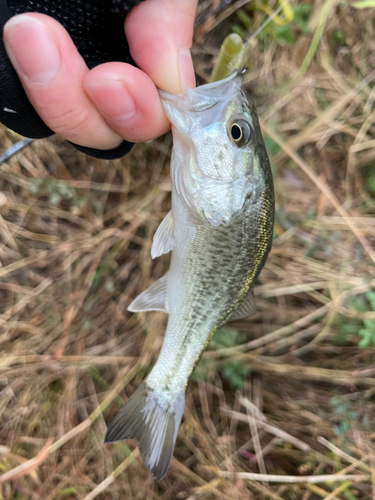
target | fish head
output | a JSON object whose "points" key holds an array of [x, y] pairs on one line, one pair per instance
{"points": [[219, 161]]}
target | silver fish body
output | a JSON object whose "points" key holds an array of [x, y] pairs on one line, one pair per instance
{"points": [[220, 230]]}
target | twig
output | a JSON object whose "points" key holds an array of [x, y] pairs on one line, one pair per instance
{"points": [[307, 372], [29, 466], [322, 186], [342, 487], [322, 334], [110, 479], [271, 430], [322, 493], [274, 478], [124, 379], [271, 337], [342, 454], [256, 440], [52, 359], [325, 10]]}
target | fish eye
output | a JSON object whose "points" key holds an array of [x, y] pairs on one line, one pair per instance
{"points": [[241, 132]]}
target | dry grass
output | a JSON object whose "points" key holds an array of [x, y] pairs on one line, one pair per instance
{"points": [[75, 239]]}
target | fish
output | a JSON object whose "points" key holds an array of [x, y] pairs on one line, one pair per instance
{"points": [[220, 231]]}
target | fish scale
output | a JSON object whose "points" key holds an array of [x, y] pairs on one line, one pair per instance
{"points": [[220, 232], [186, 328]]}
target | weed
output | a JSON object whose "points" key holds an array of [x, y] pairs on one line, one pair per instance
{"points": [[56, 191], [365, 329], [233, 371]]}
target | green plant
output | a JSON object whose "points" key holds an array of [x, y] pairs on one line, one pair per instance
{"points": [[56, 190], [233, 371], [365, 329], [368, 332]]}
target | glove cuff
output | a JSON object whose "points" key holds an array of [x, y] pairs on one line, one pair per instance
{"points": [[109, 154]]}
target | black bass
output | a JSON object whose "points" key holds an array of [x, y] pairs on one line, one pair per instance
{"points": [[220, 230]]}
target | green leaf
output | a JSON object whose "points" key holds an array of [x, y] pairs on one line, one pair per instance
{"points": [[366, 340], [370, 325], [301, 17], [338, 38], [55, 198], [272, 147], [66, 492], [202, 369], [238, 30], [349, 495], [341, 428], [244, 18], [370, 296], [358, 304], [283, 34], [227, 337], [350, 328], [315, 42], [235, 373]]}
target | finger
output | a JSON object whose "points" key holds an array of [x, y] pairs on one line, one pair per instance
{"points": [[128, 101], [159, 34], [52, 71]]}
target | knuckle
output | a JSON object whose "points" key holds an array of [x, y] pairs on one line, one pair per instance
{"points": [[71, 122]]}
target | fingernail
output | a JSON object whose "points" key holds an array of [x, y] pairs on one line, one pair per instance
{"points": [[31, 48], [112, 98], [186, 69]]}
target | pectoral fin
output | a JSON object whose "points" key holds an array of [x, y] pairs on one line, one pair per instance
{"points": [[152, 299], [247, 308], [163, 239]]}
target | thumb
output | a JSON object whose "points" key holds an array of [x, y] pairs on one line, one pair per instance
{"points": [[160, 34]]}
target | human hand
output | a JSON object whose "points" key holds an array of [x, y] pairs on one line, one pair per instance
{"points": [[98, 108]]}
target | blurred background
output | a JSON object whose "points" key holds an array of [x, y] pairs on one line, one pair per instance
{"points": [[288, 392]]}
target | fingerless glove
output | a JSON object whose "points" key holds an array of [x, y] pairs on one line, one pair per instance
{"points": [[96, 28]]}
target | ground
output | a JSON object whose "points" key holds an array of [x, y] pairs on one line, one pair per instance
{"points": [[288, 392]]}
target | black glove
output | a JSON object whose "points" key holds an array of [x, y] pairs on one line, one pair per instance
{"points": [[96, 28]]}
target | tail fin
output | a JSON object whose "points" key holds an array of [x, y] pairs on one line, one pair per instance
{"points": [[153, 423]]}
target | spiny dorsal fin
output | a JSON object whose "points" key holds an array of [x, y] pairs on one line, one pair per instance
{"points": [[152, 299], [163, 239], [247, 308]]}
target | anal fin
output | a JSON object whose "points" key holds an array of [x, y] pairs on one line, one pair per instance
{"points": [[247, 308], [152, 299]]}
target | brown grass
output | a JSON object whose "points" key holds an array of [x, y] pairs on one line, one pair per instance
{"points": [[75, 240]]}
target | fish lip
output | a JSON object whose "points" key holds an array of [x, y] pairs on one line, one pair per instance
{"points": [[207, 86]]}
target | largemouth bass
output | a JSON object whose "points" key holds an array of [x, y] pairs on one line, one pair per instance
{"points": [[220, 230]]}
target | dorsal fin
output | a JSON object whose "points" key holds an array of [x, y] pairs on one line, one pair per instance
{"points": [[152, 299], [163, 238], [247, 308]]}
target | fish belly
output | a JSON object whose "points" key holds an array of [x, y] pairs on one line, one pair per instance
{"points": [[211, 272]]}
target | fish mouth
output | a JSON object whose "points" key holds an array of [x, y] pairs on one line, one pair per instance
{"points": [[205, 96], [198, 90]]}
